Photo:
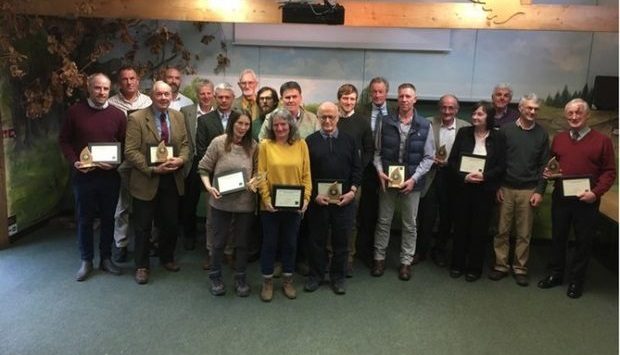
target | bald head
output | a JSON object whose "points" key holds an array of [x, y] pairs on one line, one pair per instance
{"points": [[328, 116], [161, 95]]}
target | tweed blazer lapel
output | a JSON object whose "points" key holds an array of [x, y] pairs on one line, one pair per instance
{"points": [[150, 124]]}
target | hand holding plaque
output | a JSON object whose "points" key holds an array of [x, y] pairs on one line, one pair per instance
{"points": [[256, 180], [86, 159], [158, 154], [552, 169], [332, 190], [442, 153], [396, 173]]}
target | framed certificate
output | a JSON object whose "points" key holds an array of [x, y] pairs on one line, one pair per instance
{"points": [[157, 154], [575, 186], [105, 152], [229, 182], [330, 188], [471, 163], [396, 173], [287, 197]]}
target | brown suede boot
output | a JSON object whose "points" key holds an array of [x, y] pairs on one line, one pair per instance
{"points": [[288, 288], [266, 292]]}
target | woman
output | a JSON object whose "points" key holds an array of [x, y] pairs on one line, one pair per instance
{"points": [[475, 191], [282, 159], [234, 150]]}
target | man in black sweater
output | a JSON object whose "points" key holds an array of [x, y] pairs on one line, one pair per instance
{"points": [[336, 175], [353, 124]]}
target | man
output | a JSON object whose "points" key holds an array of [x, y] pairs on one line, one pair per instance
{"points": [[357, 127], [501, 98], [247, 101], [373, 113], [521, 189], [172, 77], [580, 151], [436, 196], [267, 102], [193, 185], [95, 188], [210, 126], [405, 140], [307, 123], [128, 100], [156, 189], [334, 156]]}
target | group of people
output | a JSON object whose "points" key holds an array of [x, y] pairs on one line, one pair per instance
{"points": [[317, 190]]}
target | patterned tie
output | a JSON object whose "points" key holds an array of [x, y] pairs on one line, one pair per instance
{"points": [[165, 135], [574, 135]]}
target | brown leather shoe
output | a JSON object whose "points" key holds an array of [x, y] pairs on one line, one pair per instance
{"points": [[405, 272], [142, 276], [417, 258], [171, 266], [378, 268], [288, 288], [266, 291]]}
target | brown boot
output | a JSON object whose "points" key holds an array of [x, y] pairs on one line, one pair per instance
{"points": [[266, 292], [288, 288], [378, 268]]}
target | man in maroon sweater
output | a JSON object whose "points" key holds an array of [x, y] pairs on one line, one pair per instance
{"points": [[581, 152], [95, 188]]}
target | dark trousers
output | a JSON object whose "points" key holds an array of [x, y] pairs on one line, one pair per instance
{"points": [[224, 223], [322, 220], [189, 201], [164, 211], [436, 202], [471, 225], [95, 193], [282, 227], [567, 212], [367, 214]]}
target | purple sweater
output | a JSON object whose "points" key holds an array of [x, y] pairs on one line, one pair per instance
{"points": [[84, 125]]}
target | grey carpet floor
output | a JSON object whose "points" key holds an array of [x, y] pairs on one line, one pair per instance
{"points": [[44, 311]]}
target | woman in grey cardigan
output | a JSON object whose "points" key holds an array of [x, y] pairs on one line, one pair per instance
{"points": [[233, 152]]}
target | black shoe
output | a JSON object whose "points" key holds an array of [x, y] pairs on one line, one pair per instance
{"points": [[575, 290], [108, 266], [85, 269], [471, 277], [497, 275], [217, 285], [455, 274], [189, 243], [242, 289], [439, 258], [311, 285], [338, 287], [120, 255], [522, 280], [550, 281]]}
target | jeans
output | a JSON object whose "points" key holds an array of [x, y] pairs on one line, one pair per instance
{"points": [[281, 228], [95, 192]]}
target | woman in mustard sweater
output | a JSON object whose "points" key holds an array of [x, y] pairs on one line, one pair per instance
{"points": [[283, 159]]}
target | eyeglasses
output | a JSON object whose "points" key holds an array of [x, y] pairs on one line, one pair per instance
{"points": [[327, 118]]}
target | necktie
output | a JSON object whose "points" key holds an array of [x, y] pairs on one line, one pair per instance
{"points": [[165, 134], [574, 135], [330, 139]]}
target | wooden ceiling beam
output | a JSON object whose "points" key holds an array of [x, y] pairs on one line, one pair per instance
{"points": [[506, 14]]}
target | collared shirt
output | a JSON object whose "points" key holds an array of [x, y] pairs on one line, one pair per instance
{"points": [[447, 134], [325, 135], [157, 115], [200, 112], [480, 148], [96, 107], [376, 111], [582, 132], [139, 102], [180, 101], [224, 117], [349, 114], [520, 125]]}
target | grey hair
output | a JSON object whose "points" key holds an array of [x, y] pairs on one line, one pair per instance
{"points": [[282, 113], [224, 87], [529, 97], [200, 83], [161, 83], [583, 105], [458, 105], [248, 71], [502, 86], [92, 77]]}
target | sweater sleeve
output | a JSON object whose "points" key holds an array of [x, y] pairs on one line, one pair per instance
{"points": [[542, 162], [306, 178], [262, 164], [608, 169]]}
